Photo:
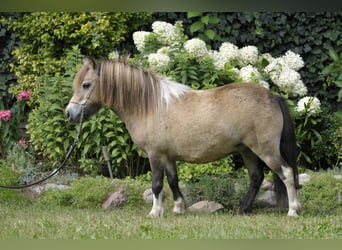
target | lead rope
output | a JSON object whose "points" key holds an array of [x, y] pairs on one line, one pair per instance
{"points": [[63, 164]]}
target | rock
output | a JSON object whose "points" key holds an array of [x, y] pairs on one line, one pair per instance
{"points": [[205, 206], [115, 200], [267, 185], [37, 190], [268, 197], [339, 176], [148, 196], [303, 178]]}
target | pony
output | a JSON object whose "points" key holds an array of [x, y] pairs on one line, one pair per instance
{"points": [[171, 122]]}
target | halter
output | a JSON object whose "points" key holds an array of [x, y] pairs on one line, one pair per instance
{"points": [[67, 156]]}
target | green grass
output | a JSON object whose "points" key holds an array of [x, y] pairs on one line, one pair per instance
{"points": [[31, 221], [53, 216]]}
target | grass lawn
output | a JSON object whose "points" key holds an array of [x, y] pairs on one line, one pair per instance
{"points": [[31, 221]]}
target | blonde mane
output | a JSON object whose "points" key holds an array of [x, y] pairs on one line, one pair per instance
{"points": [[135, 90]]}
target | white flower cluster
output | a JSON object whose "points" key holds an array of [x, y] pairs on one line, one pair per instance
{"points": [[139, 38], [308, 105], [229, 51], [158, 61], [283, 72], [196, 48], [248, 55], [251, 74], [165, 31], [244, 63]]}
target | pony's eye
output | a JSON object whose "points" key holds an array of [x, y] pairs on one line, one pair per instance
{"points": [[86, 85]]}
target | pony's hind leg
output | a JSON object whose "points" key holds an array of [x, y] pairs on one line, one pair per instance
{"points": [[256, 176], [172, 178], [157, 167], [286, 175]]}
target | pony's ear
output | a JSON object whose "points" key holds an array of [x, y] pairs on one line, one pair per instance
{"points": [[90, 61]]}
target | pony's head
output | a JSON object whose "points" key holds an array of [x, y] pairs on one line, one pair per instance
{"points": [[86, 96]]}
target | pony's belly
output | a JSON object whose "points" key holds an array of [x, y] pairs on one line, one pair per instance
{"points": [[203, 153]]}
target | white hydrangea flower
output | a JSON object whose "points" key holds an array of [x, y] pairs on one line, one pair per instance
{"points": [[196, 48], [293, 60], [248, 55], [275, 66], [218, 59], [310, 105], [264, 84], [139, 38], [252, 75], [249, 74], [290, 82], [229, 51], [163, 50], [166, 31], [158, 62], [266, 56]]}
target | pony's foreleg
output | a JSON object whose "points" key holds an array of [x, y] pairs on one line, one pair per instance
{"points": [[256, 176], [172, 178], [157, 187]]}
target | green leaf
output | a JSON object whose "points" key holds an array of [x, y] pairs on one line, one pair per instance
{"points": [[210, 33], [333, 55], [205, 19], [338, 83], [193, 14], [196, 26], [214, 19]]}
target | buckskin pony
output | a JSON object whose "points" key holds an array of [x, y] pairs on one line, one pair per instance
{"points": [[171, 122]]}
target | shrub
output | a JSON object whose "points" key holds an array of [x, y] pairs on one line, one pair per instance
{"points": [[20, 158], [319, 139], [46, 36], [193, 172], [10, 120], [9, 177], [320, 194], [223, 189]]}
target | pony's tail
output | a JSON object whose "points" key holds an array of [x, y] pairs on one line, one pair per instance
{"points": [[288, 150]]}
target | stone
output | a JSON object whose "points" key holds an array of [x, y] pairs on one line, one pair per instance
{"points": [[267, 185], [205, 206], [303, 178], [148, 196], [268, 197], [115, 200], [339, 176], [34, 192]]}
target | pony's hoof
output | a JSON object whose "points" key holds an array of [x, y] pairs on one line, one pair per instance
{"points": [[292, 213], [179, 207], [156, 213]]}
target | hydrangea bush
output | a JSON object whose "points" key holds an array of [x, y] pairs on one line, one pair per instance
{"points": [[166, 50]]}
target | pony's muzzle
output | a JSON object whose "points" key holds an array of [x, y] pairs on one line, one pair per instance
{"points": [[73, 112]]}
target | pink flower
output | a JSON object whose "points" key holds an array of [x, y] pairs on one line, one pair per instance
{"points": [[5, 115], [24, 95], [23, 143]]}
